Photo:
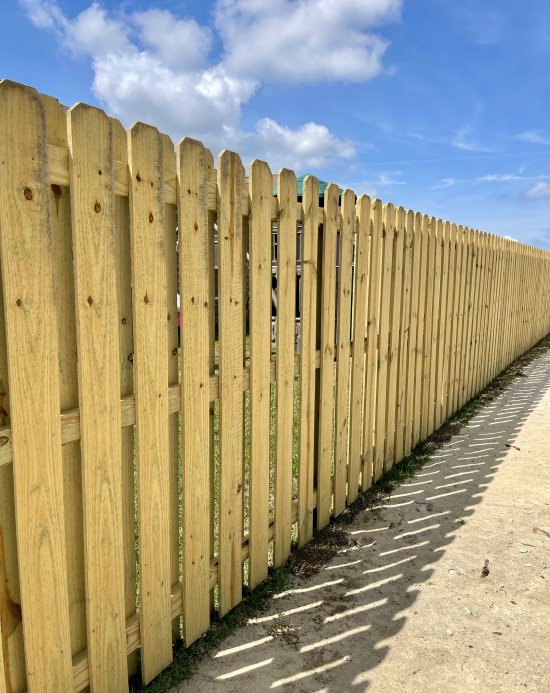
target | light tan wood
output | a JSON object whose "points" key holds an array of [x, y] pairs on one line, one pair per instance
{"points": [[396, 300], [91, 177], [343, 338], [59, 175], [439, 324], [60, 205], [150, 309], [195, 296], [404, 342], [383, 342], [360, 329], [372, 364], [461, 291], [415, 250], [475, 303], [31, 331], [429, 239], [326, 383], [285, 336], [230, 320], [172, 285], [437, 230], [4, 666], [261, 192], [449, 268], [455, 263], [126, 355], [442, 322], [308, 334]]}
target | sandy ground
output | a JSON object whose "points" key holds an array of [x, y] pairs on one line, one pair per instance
{"points": [[447, 585]]}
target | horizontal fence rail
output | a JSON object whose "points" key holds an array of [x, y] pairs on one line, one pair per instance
{"points": [[199, 368]]}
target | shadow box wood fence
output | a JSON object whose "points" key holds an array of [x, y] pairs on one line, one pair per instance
{"points": [[141, 480]]}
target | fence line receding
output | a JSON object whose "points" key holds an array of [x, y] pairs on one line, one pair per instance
{"points": [[148, 472]]}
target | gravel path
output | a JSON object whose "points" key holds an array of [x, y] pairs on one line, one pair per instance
{"points": [[445, 588]]}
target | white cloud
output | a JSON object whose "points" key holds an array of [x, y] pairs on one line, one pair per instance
{"points": [[181, 44], [534, 137], [539, 191], [310, 146], [157, 67], [311, 40]]}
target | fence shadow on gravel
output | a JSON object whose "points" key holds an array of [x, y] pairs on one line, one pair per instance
{"points": [[380, 574]]}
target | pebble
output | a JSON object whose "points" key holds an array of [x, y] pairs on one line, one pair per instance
{"points": [[449, 631]]}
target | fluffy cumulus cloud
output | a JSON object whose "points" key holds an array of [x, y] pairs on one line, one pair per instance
{"points": [[309, 146], [157, 67], [304, 41]]}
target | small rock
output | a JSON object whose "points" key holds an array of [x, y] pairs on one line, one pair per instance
{"points": [[449, 632], [467, 611], [523, 550]]}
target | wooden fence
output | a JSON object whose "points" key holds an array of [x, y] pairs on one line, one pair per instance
{"points": [[136, 476]]}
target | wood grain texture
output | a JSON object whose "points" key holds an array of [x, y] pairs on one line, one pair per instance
{"points": [[422, 240], [328, 336], [402, 378], [384, 342], [194, 281], [172, 285], [261, 192], [308, 332], [396, 299], [230, 316], [150, 308], [414, 259], [343, 354], [373, 345], [126, 355], [93, 219], [285, 336], [437, 229], [32, 350], [360, 329], [448, 268]]}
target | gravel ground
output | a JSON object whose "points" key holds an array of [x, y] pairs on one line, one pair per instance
{"points": [[445, 586]]}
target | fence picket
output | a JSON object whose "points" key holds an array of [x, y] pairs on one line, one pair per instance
{"points": [[326, 385], [414, 269], [384, 342], [172, 285], [150, 309], [31, 331], [427, 402], [261, 185], [308, 344], [345, 259], [373, 346], [126, 367], [60, 205], [437, 229], [93, 216], [230, 321], [286, 330], [395, 336], [194, 281], [360, 328]]}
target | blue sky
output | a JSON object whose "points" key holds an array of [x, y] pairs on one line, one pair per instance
{"points": [[441, 106]]}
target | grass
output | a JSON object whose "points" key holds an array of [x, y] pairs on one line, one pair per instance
{"points": [[325, 545]]}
